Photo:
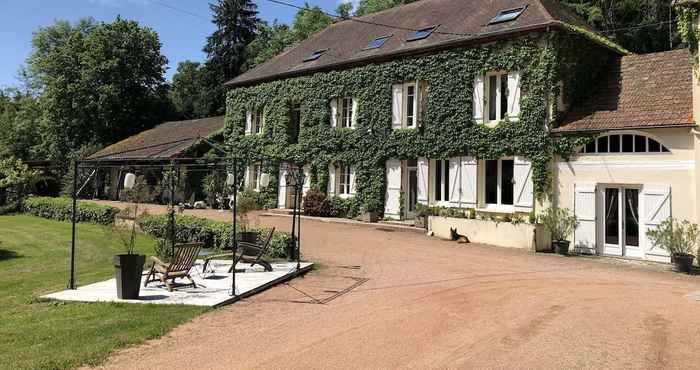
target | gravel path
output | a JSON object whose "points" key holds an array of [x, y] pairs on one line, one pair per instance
{"points": [[419, 302]]}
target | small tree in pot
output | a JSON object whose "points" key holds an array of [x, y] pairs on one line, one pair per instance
{"points": [[560, 223], [679, 239], [129, 266]]}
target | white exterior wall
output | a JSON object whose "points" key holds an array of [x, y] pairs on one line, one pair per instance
{"points": [[677, 170]]}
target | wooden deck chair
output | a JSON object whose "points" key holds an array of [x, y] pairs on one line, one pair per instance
{"points": [[183, 261], [247, 253]]}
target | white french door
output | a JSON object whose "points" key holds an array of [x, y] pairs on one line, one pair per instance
{"points": [[621, 231]]}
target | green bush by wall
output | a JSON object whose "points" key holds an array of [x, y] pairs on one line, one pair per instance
{"points": [[61, 209]]}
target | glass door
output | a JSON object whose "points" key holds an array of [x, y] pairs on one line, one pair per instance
{"points": [[621, 222], [411, 188]]}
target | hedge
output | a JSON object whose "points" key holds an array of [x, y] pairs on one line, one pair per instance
{"points": [[61, 208], [213, 234]]}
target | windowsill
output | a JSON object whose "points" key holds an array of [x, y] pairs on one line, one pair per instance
{"points": [[344, 196], [497, 208]]}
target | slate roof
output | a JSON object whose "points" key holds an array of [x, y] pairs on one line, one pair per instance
{"points": [[460, 22], [165, 141], [638, 91]]}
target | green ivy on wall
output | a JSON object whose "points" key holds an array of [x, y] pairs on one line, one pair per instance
{"points": [[447, 128]]}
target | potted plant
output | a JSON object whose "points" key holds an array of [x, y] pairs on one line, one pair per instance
{"points": [[247, 202], [129, 266], [679, 239], [422, 213], [560, 223]]}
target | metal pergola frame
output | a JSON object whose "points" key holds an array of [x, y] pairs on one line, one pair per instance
{"points": [[226, 162]]}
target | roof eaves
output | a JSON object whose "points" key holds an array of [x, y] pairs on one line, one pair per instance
{"points": [[564, 130]]}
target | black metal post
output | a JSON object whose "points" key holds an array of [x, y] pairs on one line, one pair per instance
{"points": [[71, 281], [235, 214], [299, 189], [172, 208], [290, 176]]}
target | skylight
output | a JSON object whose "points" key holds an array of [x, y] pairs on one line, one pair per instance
{"points": [[508, 15], [315, 55], [378, 42], [421, 33]]}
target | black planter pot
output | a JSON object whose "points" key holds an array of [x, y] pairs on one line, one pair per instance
{"points": [[249, 237], [683, 262], [128, 269], [561, 247]]}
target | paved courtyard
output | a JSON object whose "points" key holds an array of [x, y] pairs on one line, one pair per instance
{"points": [[393, 299]]}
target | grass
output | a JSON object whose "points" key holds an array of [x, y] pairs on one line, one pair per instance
{"points": [[40, 334]]}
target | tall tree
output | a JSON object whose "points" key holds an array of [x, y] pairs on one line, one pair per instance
{"points": [[270, 41], [236, 22], [308, 21], [186, 90], [21, 125], [371, 6], [641, 26], [101, 82]]}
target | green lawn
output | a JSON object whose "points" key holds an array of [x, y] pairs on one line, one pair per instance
{"points": [[37, 334]]}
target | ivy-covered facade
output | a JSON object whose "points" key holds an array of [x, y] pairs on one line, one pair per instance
{"points": [[550, 70]]}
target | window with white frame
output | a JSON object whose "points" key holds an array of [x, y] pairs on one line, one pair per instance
{"points": [[344, 179], [409, 103], [496, 96], [254, 122], [257, 123], [254, 175], [343, 112], [623, 143], [498, 182], [441, 176]]}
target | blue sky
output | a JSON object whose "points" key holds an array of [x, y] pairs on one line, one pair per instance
{"points": [[182, 35]]}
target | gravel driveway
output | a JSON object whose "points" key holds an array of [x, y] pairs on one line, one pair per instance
{"points": [[403, 300]]}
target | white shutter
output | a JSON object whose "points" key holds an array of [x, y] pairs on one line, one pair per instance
{"points": [[282, 188], [331, 180], [455, 179], [397, 106], [523, 187], [392, 206], [423, 173], [513, 95], [307, 179], [248, 122], [352, 180], [334, 112], [468, 178], [585, 211], [478, 98], [655, 208], [354, 113]]}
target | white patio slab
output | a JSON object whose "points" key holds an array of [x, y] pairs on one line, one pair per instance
{"points": [[213, 287]]}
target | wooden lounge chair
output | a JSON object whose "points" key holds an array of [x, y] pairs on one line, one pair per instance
{"points": [[185, 257], [248, 253]]}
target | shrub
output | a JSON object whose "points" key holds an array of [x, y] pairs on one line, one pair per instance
{"points": [[315, 203], [344, 207], [674, 236], [213, 234], [61, 208], [559, 222]]}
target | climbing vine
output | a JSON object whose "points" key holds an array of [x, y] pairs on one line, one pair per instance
{"points": [[447, 128], [687, 28]]}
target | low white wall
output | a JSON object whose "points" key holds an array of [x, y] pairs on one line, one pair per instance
{"points": [[504, 234]]}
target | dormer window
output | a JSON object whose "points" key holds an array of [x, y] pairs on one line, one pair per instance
{"points": [[378, 42], [421, 34], [315, 55], [508, 15]]}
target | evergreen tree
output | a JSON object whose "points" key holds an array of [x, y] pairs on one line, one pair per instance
{"points": [[236, 22]]}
